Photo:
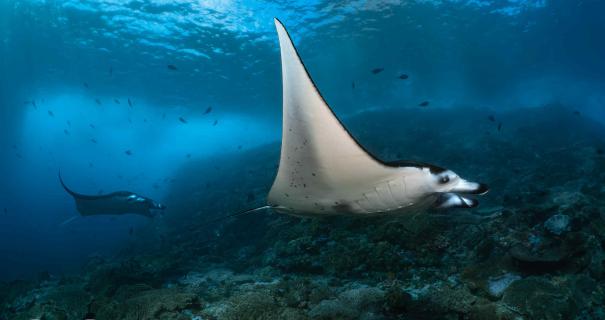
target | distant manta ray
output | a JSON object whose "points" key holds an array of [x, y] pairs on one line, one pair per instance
{"points": [[116, 203], [323, 170]]}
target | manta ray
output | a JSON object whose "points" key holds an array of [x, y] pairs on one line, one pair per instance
{"points": [[323, 170], [115, 203]]}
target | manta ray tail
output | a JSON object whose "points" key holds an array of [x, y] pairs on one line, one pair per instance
{"points": [[69, 220], [237, 214]]}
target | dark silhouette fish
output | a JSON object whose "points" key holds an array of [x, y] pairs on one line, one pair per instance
{"points": [[577, 113], [5, 211], [128, 152], [352, 84], [172, 67], [491, 118], [97, 101], [66, 132], [92, 125], [183, 120], [69, 123], [115, 203], [131, 231], [377, 70], [208, 110], [32, 102], [499, 126], [93, 140], [215, 122], [188, 156], [50, 113], [129, 103], [110, 71], [116, 101], [403, 76], [86, 85], [423, 104]]}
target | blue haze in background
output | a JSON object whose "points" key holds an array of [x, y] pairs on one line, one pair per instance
{"points": [[81, 61]]}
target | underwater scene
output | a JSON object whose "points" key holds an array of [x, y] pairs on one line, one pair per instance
{"points": [[302, 159]]}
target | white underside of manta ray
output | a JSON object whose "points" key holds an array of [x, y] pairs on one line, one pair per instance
{"points": [[323, 170]]}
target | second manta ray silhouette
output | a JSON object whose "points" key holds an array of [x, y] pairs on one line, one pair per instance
{"points": [[323, 170], [116, 203]]}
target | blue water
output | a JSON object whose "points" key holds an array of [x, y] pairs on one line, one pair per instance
{"points": [[63, 55]]}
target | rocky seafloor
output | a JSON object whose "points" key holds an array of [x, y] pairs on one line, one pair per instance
{"points": [[533, 249]]}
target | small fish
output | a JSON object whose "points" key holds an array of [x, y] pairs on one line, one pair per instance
{"points": [[171, 67], [215, 122], [110, 71], [19, 155], [5, 211], [129, 120], [129, 103], [90, 165], [116, 101], [491, 118], [145, 120], [92, 125], [34, 104], [577, 113], [499, 126], [128, 152], [208, 110], [239, 147], [600, 151], [352, 84], [131, 231], [188, 156], [50, 113], [183, 120], [97, 101], [93, 140], [86, 85], [69, 123], [377, 70], [66, 132], [403, 76], [163, 116], [423, 104], [14, 146]]}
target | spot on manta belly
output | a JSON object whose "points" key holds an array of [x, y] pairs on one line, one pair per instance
{"points": [[342, 207]]}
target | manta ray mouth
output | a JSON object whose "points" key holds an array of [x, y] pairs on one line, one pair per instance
{"points": [[454, 200]]}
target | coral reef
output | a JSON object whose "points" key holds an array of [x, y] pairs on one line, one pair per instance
{"points": [[534, 249]]}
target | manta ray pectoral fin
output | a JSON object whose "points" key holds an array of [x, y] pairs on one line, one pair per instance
{"points": [[452, 200], [319, 158]]}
